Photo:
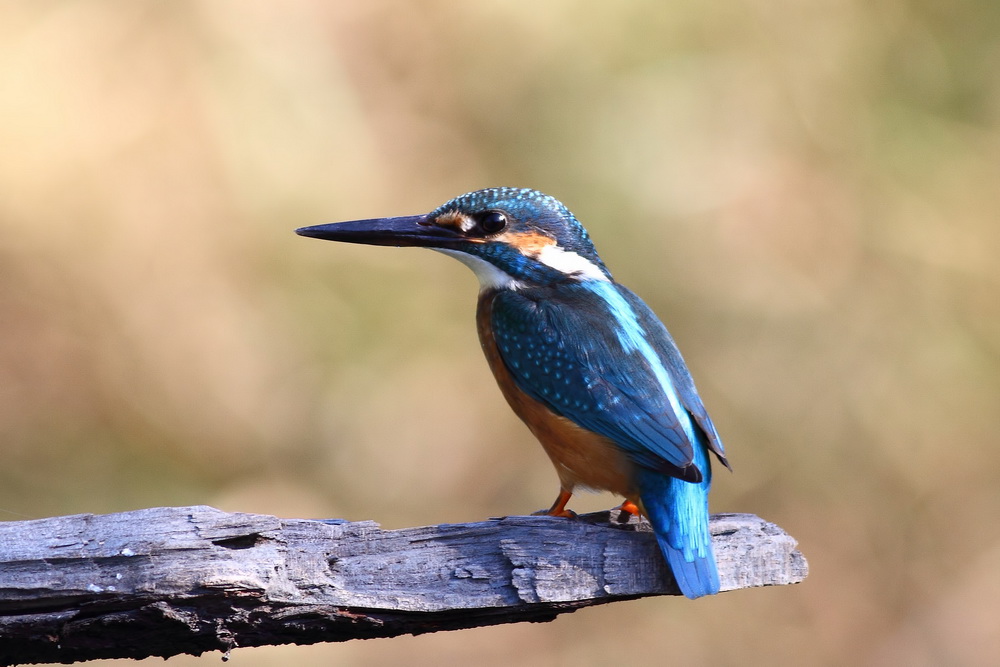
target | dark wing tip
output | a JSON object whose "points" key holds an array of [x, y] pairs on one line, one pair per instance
{"points": [[689, 473]]}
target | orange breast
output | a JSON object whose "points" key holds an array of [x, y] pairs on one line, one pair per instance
{"points": [[581, 457]]}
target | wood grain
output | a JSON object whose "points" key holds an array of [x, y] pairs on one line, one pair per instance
{"points": [[165, 581]]}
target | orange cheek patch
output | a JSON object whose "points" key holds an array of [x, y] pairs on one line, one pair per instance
{"points": [[530, 244]]}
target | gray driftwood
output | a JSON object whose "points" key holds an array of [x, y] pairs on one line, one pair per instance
{"points": [[165, 581]]}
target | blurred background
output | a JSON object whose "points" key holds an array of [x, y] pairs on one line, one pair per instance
{"points": [[807, 194]]}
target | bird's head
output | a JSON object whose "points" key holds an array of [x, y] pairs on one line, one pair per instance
{"points": [[510, 237]]}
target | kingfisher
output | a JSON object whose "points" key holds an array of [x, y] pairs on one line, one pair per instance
{"points": [[581, 360]]}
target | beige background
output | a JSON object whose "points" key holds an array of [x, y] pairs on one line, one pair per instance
{"points": [[805, 192]]}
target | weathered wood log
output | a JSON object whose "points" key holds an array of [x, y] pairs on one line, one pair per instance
{"points": [[165, 581]]}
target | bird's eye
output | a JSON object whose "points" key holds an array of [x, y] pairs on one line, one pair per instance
{"points": [[492, 222]]}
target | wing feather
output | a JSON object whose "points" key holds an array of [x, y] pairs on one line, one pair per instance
{"points": [[579, 350]]}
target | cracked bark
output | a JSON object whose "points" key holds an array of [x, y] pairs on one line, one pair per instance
{"points": [[166, 581]]}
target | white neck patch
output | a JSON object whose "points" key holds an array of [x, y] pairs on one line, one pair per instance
{"points": [[569, 262], [490, 277]]}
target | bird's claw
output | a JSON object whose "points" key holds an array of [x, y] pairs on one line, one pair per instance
{"points": [[565, 513]]}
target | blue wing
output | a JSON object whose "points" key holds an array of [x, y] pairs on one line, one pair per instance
{"points": [[663, 343], [595, 354]]}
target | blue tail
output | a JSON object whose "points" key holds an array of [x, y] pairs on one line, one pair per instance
{"points": [[678, 511]]}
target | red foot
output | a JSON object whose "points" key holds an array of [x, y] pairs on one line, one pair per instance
{"points": [[630, 507], [558, 507], [627, 510]]}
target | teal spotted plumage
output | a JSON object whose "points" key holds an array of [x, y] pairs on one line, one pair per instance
{"points": [[581, 359]]}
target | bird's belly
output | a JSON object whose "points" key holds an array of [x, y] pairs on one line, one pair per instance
{"points": [[581, 457]]}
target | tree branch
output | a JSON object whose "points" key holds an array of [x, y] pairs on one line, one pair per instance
{"points": [[165, 581]]}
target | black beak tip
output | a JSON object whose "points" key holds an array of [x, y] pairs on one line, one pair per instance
{"points": [[311, 232], [355, 231]]}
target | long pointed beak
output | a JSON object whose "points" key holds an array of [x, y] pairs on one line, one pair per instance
{"points": [[413, 230]]}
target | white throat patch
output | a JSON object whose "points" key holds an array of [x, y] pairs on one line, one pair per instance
{"points": [[490, 277]]}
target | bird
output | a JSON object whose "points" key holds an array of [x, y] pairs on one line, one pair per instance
{"points": [[582, 360]]}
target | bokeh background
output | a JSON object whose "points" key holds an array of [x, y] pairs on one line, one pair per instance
{"points": [[807, 193]]}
